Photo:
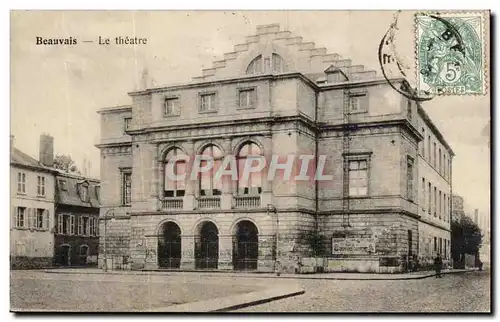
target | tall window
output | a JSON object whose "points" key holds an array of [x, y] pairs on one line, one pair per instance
{"points": [[435, 201], [422, 148], [86, 226], [429, 155], [440, 245], [40, 188], [174, 188], [444, 166], [435, 244], [439, 204], [255, 67], [358, 178], [277, 63], [408, 110], [127, 121], [171, 106], [440, 163], [207, 102], [434, 155], [84, 193], [247, 98], [423, 194], [253, 184], [21, 182], [409, 178], [209, 185], [430, 198], [21, 217], [126, 186]]}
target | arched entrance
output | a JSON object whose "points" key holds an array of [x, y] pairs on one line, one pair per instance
{"points": [[245, 246], [207, 246], [169, 246]]}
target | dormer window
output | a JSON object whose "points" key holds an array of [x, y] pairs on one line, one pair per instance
{"points": [[84, 193], [62, 184], [269, 64]]}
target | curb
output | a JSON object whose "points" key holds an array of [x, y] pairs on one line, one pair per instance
{"points": [[230, 303], [298, 276]]}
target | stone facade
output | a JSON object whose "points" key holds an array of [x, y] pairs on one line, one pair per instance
{"points": [[302, 98]]}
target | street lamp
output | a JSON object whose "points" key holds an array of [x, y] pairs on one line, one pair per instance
{"points": [[271, 208], [105, 235]]}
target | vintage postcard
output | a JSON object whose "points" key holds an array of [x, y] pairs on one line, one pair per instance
{"points": [[250, 161]]}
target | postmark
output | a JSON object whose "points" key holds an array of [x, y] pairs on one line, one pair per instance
{"points": [[450, 53]]}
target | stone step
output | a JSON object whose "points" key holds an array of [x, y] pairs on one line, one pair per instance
{"points": [[267, 29], [294, 40], [219, 64], [232, 55], [240, 47]]}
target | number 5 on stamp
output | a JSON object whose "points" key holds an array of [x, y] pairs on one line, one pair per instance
{"points": [[451, 49]]}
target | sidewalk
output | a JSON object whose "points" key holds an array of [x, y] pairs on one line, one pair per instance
{"points": [[322, 276]]}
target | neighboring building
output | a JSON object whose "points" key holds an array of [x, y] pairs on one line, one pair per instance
{"points": [[77, 215], [275, 95], [54, 214], [457, 211], [32, 206]]}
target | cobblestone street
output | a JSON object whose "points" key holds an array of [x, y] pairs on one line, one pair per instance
{"points": [[453, 293], [37, 290]]}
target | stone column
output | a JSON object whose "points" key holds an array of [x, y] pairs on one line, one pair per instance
{"points": [[187, 252], [189, 198], [227, 188], [225, 252], [267, 186], [265, 261], [151, 260]]}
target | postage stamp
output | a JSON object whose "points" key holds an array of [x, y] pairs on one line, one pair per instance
{"points": [[450, 50]]}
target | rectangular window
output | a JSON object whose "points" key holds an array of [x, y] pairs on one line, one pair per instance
{"points": [[72, 225], [127, 121], [98, 193], [40, 218], [410, 243], [358, 103], [440, 245], [41, 186], [435, 244], [439, 204], [422, 148], [408, 110], [67, 224], [440, 163], [429, 155], [435, 201], [423, 194], [86, 226], [171, 106], [444, 166], [21, 217], [126, 187], [21, 182], [409, 178], [434, 155], [207, 102], [430, 198], [91, 227], [358, 178], [96, 225], [247, 98], [445, 249], [80, 225], [62, 184], [84, 193], [60, 226]]}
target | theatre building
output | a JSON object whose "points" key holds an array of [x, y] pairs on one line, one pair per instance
{"points": [[384, 206]]}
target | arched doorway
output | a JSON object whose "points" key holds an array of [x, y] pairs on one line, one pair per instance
{"points": [[245, 246], [169, 246], [207, 246]]}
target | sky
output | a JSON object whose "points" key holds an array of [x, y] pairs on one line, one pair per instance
{"points": [[58, 89]]}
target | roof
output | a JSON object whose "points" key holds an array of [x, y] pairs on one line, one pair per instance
{"points": [[68, 190], [20, 158]]}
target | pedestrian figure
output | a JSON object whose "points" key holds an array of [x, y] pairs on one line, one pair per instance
{"points": [[438, 265]]}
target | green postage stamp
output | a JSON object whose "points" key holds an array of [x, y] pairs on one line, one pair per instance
{"points": [[450, 48]]}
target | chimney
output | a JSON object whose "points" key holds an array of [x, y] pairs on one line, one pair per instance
{"points": [[46, 150]]}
